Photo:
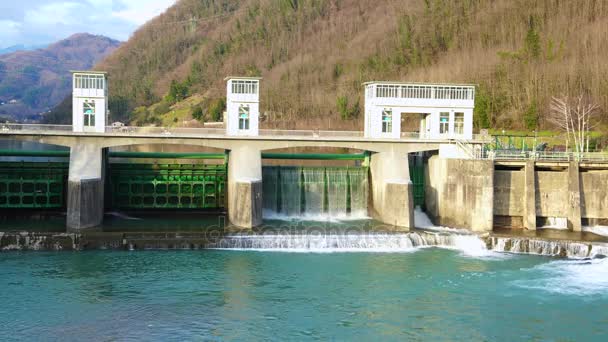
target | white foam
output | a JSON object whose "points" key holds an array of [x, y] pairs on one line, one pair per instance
{"points": [[559, 223], [598, 230], [573, 277], [325, 217], [468, 245], [422, 221], [123, 216]]}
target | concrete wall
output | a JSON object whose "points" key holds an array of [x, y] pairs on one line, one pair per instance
{"points": [[551, 191], [564, 192], [391, 190], [245, 187], [594, 196], [515, 197], [460, 193], [508, 193], [85, 207]]}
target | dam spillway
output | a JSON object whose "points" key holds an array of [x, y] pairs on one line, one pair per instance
{"points": [[313, 191]]}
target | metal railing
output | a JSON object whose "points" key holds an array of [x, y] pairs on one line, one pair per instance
{"points": [[418, 91], [34, 128], [599, 157]]}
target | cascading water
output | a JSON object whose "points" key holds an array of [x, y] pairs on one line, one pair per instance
{"points": [[290, 195], [358, 192], [569, 249], [270, 187], [314, 190], [348, 242], [316, 194], [556, 223], [337, 192]]}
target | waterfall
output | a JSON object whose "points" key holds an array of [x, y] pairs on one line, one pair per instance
{"points": [[314, 191], [556, 223], [358, 192], [291, 198], [270, 187], [557, 248], [350, 242], [337, 192]]}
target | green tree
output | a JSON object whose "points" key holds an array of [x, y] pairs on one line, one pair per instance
{"points": [[531, 116], [197, 113], [177, 92], [532, 40], [216, 109], [482, 109], [162, 108], [347, 112]]}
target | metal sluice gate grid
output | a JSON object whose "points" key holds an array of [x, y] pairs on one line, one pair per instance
{"points": [[167, 186], [26, 185]]}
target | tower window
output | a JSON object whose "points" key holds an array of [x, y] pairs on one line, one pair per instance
{"points": [[244, 112], [387, 121], [459, 123], [244, 87], [444, 123], [89, 113], [89, 82]]}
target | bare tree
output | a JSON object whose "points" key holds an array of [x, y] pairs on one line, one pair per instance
{"points": [[577, 117]]}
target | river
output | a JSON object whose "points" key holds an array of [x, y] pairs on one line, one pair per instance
{"points": [[256, 293]]}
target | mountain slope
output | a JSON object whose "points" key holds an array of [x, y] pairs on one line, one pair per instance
{"points": [[312, 52], [38, 80]]}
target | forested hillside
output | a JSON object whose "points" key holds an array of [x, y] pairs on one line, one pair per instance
{"points": [[314, 55], [35, 81]]}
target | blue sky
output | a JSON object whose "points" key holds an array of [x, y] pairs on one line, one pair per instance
{"points": [[36, 22]]}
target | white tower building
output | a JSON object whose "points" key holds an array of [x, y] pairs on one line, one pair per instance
{"points": [[89, 101], [428, 111], [242, 106]]}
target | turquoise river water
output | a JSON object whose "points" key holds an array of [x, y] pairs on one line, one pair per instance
{"points": [[260, 294]]}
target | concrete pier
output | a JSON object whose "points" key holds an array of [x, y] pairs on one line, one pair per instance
{"points": [[460, 193], [85, 207], [245, 187], [529, 217], [574, 198], [391, 189]]}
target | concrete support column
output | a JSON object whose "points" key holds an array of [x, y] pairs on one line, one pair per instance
{"points": [[245, 187], [86, 186], [459, 193], [392, 190], [529, 196], [574, 197]]}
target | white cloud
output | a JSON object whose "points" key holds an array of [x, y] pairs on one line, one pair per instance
{"points": [[9, 30], [140, 11], [34, 22], [52, 14]]}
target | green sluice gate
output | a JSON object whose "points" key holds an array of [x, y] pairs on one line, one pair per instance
{"points": [[417, 178], [33, 185], [167, 186]]}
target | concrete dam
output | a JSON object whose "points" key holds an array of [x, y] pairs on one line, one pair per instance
{"points": [[463, 193]]}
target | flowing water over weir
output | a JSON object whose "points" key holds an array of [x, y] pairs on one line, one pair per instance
{"points": [[363, 242], [569, 249], [315, 191]]}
